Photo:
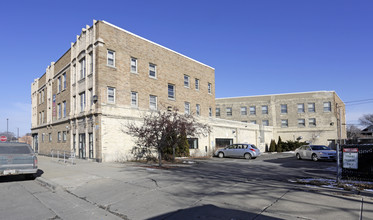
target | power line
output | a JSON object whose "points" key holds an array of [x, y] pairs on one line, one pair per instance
{"points": [[362, 100]]}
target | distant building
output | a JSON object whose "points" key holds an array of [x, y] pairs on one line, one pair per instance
{"points": [[110, 77], [366, 135], [316, 117]]}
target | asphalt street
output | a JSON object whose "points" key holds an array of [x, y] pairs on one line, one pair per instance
{"points": [[214, 188]]}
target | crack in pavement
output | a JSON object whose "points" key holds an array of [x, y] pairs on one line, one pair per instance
{"points": [[278, 199]]}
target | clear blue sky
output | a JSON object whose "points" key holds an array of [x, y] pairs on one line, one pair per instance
{"points": [[256, 47]]}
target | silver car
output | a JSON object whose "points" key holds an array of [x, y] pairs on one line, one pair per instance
{"points": [[247, 151], [315, 152]]}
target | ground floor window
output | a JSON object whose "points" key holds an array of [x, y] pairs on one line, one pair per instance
{"points": [[90, 145], [223, 142], [193, 143], [82, 146]]}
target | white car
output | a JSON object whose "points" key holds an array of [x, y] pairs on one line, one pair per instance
{"points": [[315, 153], [247, 151]]}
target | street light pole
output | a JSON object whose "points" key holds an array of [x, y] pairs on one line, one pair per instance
{"points": [[7, 134]]}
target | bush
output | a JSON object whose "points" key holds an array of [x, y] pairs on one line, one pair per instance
{"points": [[279, 145], [272, 146], [291, 145]]}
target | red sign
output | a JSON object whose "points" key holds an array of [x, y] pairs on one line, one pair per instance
{"points": [[3, 138], [350, 150]]}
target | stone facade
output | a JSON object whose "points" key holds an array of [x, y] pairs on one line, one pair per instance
{"points": [[315, 117], [111, 77]]}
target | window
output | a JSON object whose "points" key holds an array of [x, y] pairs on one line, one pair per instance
{"points": [[39, 97], [64, 108], [253, 122], [301, 122], [110, 95], [39, 117], [252, 110], [133, 65], [91, 63], [193, 143], [197, 84], [153, 102], [284, 108], [59, 84], [59, 136], [264, 109], [312, 122], [50, 137], [171, 91], [209, 88], [110, 58], [284, 123], [90, 95], [300, 108], [134, 99], [64, 81], [243, 111], [311, 107], [152, 70], [327, 107], [42, 137], [265, 122], [90, 145], [229, 111], [187, 108], [74, 103], [42, 117], [74, 74], [82, 101], [42, 96], [59, 110], [64, 136], [198, 109], [82, 68], [210, 112], [186, 81], [244, 121], [217, 111]]}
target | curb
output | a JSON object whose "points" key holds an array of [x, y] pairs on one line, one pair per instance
{"points": [[47, 183]]}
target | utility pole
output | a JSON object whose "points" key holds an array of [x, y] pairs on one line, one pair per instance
{"points": [[7, 134], [339, 134]]}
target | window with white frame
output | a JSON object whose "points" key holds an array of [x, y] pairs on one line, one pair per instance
{"points": [[229, 111], [134, 98], [284, 108], [327, 107], [243, 111], [193, 143], [187, 107], [152, 70], [171, 91], [82, 68], [217, 111], [111, 58], [210, 112], [198, 109], [284, 123], [82, 101], [59, 84], [300, 107], [110, 95], [64, 108], [252, 110], [186, 81], [64, 136], [153, 102], [197, 84], [312, 122], [59, 110], [265, 109], [253, 122], [64, 81], [301, 122], [311, 107], [209, 88], [59, 136], [265, 122], [133, 65]]}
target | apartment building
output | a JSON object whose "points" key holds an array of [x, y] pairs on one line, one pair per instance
{"points": [[110, 77], [315, 117]]}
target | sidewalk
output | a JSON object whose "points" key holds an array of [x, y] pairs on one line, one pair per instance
{"points": [[138, 192]]}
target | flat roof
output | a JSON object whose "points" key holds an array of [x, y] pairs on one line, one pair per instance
{"points": [[294, 93], [155, 44]]}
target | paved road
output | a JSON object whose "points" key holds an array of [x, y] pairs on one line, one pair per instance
{"points": [[211, 189]]}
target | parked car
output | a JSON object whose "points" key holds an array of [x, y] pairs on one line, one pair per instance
{"points": [[248, 151], [315, 153], [18, 159]]}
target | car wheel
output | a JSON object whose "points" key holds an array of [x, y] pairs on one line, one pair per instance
{"points": [[298, 157], [221, 155], [314, 157], [247, 156]]}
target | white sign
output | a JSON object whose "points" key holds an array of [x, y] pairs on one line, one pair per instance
{"points": [[350, 158]]}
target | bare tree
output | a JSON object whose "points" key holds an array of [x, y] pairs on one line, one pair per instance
{"points": [[10, 136], [353, 132], [366, 120], [163, 129]]}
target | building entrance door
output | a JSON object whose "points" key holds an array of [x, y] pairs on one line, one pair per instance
{"points": [[82, 146], [36, 143]]}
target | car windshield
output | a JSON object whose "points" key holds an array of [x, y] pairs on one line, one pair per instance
{"points": [[253, 146], [320, 147], [17, 149]]}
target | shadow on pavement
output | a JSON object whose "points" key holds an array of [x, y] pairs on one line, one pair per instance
{"points": [[21, 177], [210, 212]]}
